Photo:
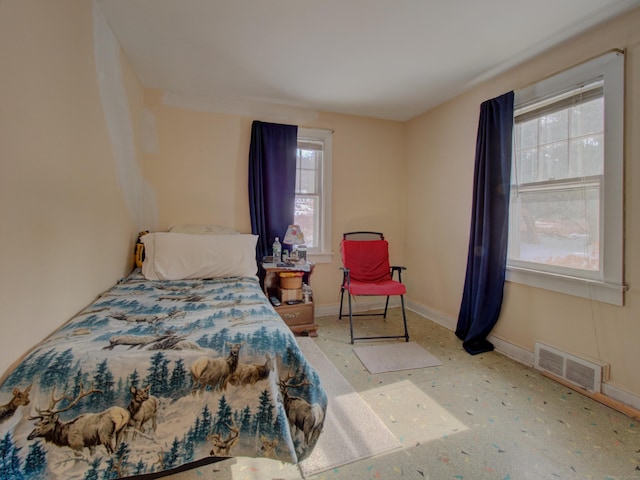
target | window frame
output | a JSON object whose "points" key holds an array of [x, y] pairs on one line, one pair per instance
{"points": [[611, 288], [322, 253]]}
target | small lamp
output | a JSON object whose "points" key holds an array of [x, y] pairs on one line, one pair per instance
{"points": [[293, 237]]}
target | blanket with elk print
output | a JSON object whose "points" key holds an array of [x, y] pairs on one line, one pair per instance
{"points": [[155, 375]]}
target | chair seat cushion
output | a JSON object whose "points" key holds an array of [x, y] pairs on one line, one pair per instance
{"points": [[384, 288]]}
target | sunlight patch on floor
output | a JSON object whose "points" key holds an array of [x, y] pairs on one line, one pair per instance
{"points": [[242, 468], [411, 415], [257, 469]]}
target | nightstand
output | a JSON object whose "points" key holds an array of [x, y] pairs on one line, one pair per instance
{"points": [[299, 316]]}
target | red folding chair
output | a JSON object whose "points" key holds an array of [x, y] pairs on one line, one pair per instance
{"points": [[367, 272]]}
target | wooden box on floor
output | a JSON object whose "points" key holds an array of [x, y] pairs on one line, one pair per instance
{"points": [[286, 294]]}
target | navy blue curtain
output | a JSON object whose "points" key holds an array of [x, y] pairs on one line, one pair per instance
{"points": [[272, 182], [487, 255]]}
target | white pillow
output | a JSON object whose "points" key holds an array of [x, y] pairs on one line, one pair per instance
{"points": [[177, 256], [203, 229]]}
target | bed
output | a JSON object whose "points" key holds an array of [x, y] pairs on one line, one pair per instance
{"points": [[182, 361]]}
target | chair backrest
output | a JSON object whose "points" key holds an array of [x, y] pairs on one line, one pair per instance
{"points": [[367, 260], [363, 235]]}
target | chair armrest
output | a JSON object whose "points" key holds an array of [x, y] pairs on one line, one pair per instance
{"points": [[345, 276], [399, 269]]}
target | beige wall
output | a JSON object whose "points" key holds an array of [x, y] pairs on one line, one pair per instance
{"points": [[197, 165], [441, 146], [75, 187], [67, 229]]}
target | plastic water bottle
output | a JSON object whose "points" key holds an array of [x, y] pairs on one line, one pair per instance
{"points": [[277, 251]]}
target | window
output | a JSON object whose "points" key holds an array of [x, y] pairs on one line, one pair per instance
{"points": [[556, 184], [313, 191], [565, 220]]}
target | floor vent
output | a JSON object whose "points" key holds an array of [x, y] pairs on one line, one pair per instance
{"points": [[578, 371]]}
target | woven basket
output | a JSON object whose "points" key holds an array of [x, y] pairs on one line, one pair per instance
{"points": [[291, 280]]}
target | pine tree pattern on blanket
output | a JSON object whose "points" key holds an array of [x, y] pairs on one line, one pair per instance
{"points": [[155, 375]]}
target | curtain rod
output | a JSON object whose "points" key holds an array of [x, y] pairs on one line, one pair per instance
{"points": [[330, 130], [613, 50]]}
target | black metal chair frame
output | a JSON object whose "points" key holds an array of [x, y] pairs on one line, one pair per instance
{"points": [[346, 279]]}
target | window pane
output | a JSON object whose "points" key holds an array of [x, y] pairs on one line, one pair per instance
{"points": [[527, 133], [526, 166], [586, 156], [587, 118], [554, 162], [308, 173], [308, 159], [309, 189], [307, 182], [557, 227], [307, 216], [554, 127]]}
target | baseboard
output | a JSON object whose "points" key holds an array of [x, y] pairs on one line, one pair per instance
{"points": [[514, 352], [431, 314], [621, 395]]}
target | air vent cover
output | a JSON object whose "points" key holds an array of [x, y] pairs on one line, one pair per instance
{"points": [[578, 371]]}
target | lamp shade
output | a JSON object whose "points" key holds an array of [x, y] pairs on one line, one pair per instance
{"points": [[294, 235]]}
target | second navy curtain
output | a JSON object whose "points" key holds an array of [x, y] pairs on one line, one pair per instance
{"points": [[487, 254]]}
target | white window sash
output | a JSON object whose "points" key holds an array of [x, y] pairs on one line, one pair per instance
{"points": [[611, 288], [322, 253]]}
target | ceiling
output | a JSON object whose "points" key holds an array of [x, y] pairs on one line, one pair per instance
{"points": [[376, 58]]}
